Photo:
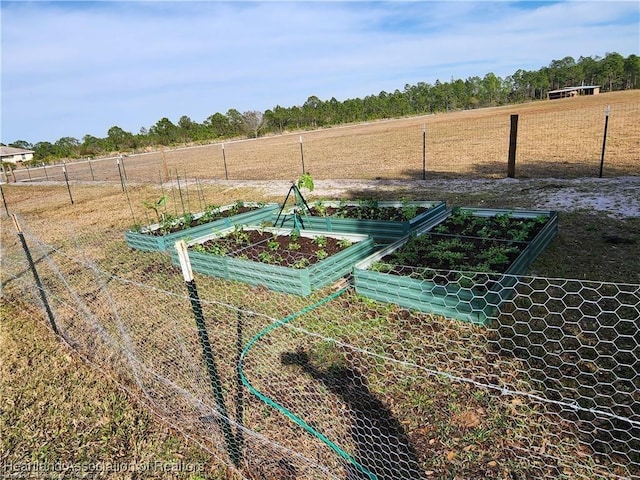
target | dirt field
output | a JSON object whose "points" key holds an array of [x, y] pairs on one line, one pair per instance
{"points": [[560, 138]]}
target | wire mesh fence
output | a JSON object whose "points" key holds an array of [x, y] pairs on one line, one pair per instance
{"points": [[564, 138], [337, 385]]}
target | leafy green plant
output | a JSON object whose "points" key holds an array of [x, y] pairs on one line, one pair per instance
{"points": [[214, 249], [409, 211], [155, 206], [306, 181], [293, 246], [273, 244], [382, 267], [211, 213], [321, 254], [294, 235], [344, 243], [321, 241], [266, 257], [239, 235], [302, 263]]}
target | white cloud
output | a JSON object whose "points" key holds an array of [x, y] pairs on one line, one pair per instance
{"points": [[73, 69]]}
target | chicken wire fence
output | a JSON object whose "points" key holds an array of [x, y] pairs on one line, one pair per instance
{"points": [[336, 385]]}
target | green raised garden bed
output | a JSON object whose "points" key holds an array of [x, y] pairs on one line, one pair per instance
{"points": [[384, 221], [297, 275], [466, 277], [149, 238]]}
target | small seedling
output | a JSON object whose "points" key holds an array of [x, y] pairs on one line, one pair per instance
{"points": [[321, 241], [322, 254], [155, 206], [306, 181]]}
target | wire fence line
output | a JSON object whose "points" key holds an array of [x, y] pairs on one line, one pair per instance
{"points": [[335, 385], [557, 141]]}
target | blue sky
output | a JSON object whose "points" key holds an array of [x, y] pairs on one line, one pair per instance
{"points": [[77, 68]]}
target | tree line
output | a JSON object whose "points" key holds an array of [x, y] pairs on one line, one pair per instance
{"points": [[611, 72]]}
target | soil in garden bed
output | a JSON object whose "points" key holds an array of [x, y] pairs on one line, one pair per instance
{"points": [[445, 252], [293, 251], [500, 226], [183, 222], [369, 212]]}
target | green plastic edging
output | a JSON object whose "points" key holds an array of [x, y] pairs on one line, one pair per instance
{"points": [[453, 300], [151, 243]]}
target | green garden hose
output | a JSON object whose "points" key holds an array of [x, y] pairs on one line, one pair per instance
{"points": [[297, 420]]}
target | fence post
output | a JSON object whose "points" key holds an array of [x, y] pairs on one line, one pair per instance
{"points": [[239, 387], [36, 277], [424, 151], [93, 178], [302, 155], [66, 179], [604, 139], [224, 159], [513, 142], [212, 369], [124, 170], [9, 168], [4, 201], [120, 173]]}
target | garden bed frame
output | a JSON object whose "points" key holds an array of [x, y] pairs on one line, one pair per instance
{"points": [[144, 241], [299, 281], [450, 298], [382, 231]]}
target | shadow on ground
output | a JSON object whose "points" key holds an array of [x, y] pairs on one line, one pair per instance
{"points": [[381, 444]]}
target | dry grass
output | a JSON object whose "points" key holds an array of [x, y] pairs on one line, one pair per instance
{"points": [[560, 138], [59, 413]]}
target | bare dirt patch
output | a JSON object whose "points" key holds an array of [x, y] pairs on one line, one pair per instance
{"points": [[614, 197]]}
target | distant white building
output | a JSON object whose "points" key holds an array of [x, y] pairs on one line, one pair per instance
{"points": [[15, 155]]}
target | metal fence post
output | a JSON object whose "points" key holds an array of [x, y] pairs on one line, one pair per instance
{"points": [[604, 139], [302, 155], [124, 170], [239, 440], [424, 151], [513, 143], [36, 277], [4, 201], [224, 160], [120, 173], [66, 179], [93, 178], [212, 369]]}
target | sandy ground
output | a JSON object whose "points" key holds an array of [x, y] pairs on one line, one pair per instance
{"points": [[615, 197]]}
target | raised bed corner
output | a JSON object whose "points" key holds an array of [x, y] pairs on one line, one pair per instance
{"points": [[144, 241], [469, 296]]}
